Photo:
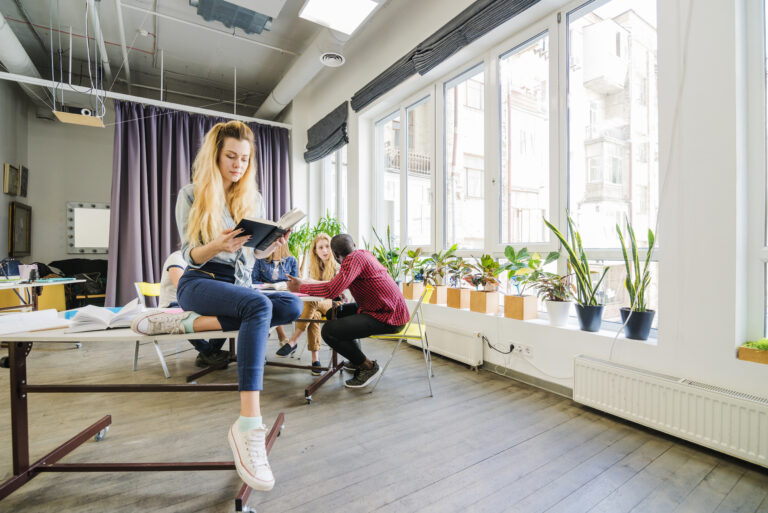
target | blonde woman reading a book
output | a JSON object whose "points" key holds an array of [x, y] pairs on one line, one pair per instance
{"points": [[322, 267], [215, 289]]}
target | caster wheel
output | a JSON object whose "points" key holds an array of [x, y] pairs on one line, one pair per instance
{"points": [[78, 345], [5, 362], [101, 435]]}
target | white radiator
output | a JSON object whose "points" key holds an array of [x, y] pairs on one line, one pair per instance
{"points": [[456, 345], [718, 418]]}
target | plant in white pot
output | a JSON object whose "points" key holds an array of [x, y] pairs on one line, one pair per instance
{"points": [[554, 290], [637, 318], [588, 310], [524, 270], [436, 269]]}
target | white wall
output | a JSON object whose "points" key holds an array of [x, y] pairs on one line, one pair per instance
{"points": [[702, 240], [66, 163], [13, 146]]}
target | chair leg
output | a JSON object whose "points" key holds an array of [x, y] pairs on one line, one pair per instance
{"points": [[162, 359], [427, 361], [386, 365], [136, 356]]}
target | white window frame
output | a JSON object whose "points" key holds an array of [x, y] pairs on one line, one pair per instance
{"points": [[757, 165], [340, 208], [549, 26], [378, 182]]}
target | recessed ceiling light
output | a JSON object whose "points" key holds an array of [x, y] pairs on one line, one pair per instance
{"points": [[342, 15]]}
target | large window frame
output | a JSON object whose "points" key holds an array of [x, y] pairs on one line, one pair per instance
{"points": [[757, 166], [338, 185]]}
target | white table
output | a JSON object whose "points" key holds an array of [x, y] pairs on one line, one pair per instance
{"points": [[32, 289]]}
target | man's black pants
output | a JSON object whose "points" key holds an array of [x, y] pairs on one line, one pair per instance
{"points": [[343, 332]]}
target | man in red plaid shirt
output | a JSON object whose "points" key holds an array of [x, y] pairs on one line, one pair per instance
{"points": [[379, 306]]}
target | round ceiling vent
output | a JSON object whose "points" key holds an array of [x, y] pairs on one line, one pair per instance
{"points": [[332, 59]]}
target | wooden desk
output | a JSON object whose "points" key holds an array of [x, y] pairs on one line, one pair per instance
{"points": [[19, 347]]}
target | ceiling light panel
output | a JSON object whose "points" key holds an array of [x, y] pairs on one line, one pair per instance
{"points": [[342, 15]]}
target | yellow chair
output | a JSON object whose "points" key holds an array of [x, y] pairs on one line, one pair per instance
{"points": [[416, 329], [145, 290]]}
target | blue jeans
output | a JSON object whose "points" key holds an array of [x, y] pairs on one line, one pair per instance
{"points": [[240, 308], [205, 347]]}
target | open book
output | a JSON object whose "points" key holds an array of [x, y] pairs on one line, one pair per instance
{"points": [[264, 232], [31, 321], [92, 318]]}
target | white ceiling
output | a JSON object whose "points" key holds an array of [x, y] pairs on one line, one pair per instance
{"points": [[195, 61]]}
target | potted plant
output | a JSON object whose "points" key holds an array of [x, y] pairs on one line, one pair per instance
{"points": [[413, 288], [637, 318], [436, 274], [754, 351], [458, 270], [389, 255], [485, 300], [524, 270], [589, 312], [554, 290]]}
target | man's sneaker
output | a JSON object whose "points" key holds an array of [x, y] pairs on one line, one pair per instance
{"points": [[154, 322], [250, 453], [317, 368], [217, 359], [348, 366], [286, 351], [363, 377]]}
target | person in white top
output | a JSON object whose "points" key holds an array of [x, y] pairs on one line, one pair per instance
{"points": [[209, 352]]}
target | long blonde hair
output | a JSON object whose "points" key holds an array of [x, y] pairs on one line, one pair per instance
{"points": [[279, 254], [205, 223], [317, 268]]}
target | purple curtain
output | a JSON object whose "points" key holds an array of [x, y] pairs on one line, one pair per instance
{"points": [[153, 154]]}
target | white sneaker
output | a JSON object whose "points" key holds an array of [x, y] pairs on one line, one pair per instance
{"points": [[250, 453], [154, 322]]}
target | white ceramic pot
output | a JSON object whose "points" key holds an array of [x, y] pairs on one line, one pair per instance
{"points": [[558, 312]]}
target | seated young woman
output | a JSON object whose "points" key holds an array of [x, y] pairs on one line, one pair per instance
{"points": [[216, 288], [275, 269], [322, 267]]}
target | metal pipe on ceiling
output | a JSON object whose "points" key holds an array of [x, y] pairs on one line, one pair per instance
{"points": [[209, 29], [100, 39], [22, 79], [34, 29], [15, 59], [123, 47]]}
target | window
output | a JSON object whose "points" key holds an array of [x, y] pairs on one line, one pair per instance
{"points": [[464, 162], [388, 173], [616, 44], [524, 137], [334, 183], [419, 173]]}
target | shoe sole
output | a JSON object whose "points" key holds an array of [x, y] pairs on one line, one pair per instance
{"points": [[368, 382], [252, 482]]}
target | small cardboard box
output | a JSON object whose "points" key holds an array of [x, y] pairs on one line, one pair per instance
{"points": [[413, 290], [458, 298], [484, 302], [521, 307], [753, 355], [439, 295]]}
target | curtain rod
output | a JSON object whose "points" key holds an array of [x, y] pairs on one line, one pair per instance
{"points": [[13, 77]]}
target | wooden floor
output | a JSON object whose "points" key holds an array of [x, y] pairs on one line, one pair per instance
{"points": [[483, 443]]}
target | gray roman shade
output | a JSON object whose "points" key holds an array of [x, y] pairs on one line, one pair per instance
{"points": [[327, 135], [472, 23]]}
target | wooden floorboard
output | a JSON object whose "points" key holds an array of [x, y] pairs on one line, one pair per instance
{"points": [[484, 443]]}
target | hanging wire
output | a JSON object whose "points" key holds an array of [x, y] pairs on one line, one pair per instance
{"points": [[61, 62], [50, 33]]}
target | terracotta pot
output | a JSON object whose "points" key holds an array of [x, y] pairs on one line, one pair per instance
{"points": [[439, 295], [458, 298], [484, 302], [521, 307], [753, 355]]}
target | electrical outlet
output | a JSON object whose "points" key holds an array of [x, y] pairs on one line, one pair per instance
{"points": [[527, 351], [522, 349]]}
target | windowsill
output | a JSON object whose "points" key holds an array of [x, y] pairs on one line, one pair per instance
{"points": [[543, 321]]}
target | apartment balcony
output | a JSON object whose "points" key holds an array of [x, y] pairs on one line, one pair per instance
{"points": [[418, 163]]}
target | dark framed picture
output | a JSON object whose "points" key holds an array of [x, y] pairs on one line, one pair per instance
{"points": [[10, 179], [23, 181], [19, 229]]}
